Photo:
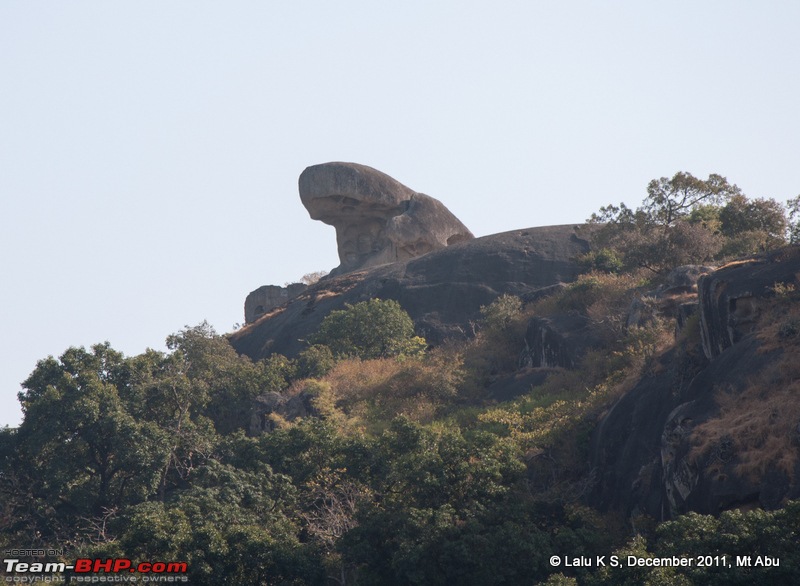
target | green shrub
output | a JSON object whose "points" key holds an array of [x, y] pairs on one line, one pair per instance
{"points": [[501, 312], [315, 361], [370, 329], [604, 260]]}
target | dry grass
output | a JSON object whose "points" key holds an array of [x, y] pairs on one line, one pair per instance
{"points": [[380, 389], [780, 325], [758, 427], [247, 327], [760, 424], [739, 262]]}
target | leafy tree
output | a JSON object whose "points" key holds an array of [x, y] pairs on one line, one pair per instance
{"points": [[669, 200], [230, 526], [746, 215], [499, 340], [315, 361], [449, 512], [735, 533], [660, 250], [626, 575], [499, 314], [370, 329], [223, 383], [80, 453], [752, 226], [604, 260], [76, 420], [172, 391], [686, 220], [793, 206], [707, 215]]}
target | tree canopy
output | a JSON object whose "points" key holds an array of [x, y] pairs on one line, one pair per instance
{"points": [[686, 220]]}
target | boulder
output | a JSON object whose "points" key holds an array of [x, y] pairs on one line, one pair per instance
{"points": [[732, 297], [442, 291], [686, 276], [268, 297], [378, 220], [672, 299], [557, 341]]}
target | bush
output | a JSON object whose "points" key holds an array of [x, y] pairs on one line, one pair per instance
{"points": [[315, 361], [500, 339], [501, 312], [380, 389], [370, 329], [604, 260]]}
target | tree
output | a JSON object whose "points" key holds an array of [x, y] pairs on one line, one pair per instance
{"points": [[669, 200], [451, 510], [315, 361], [222, 384], [230, 526], [80, 450], [752, 225], [313, 277], [686, 220], [370, 329], [793, 206]]}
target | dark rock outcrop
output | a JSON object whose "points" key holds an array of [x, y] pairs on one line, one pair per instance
{"points": [[732, 298], [642, 449], [378, 220], [442, 291], [557, 341], [285, 407], [673, 299]]}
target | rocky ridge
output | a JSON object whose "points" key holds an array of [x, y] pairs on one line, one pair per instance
{"points": [[644, 452]]}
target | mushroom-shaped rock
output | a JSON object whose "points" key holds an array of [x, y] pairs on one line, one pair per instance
{"points": [[378, 220]]}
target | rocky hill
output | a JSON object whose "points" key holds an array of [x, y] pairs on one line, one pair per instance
{"points": [[713, 424], [443, 290], [395, 243]]}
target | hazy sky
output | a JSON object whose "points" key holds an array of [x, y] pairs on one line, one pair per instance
{"points": [[149, 151]]}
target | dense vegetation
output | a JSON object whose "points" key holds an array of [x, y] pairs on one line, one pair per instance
{"points": [[404, 471], [686, 220]]}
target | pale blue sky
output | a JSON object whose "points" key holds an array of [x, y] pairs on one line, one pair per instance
{"points": [[149, 151]]}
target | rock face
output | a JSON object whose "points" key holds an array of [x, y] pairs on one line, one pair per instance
{"points": [[556, 341], [642, 448], [677, 297], [442, 291], [290, 408], [268, 297], [731, 299], [378, 220]]}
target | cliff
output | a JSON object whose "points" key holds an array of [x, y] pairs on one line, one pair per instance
{"points": [[728, 435]]}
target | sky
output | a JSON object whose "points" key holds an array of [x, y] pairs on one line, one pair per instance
{"points": [[149, 151]]}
